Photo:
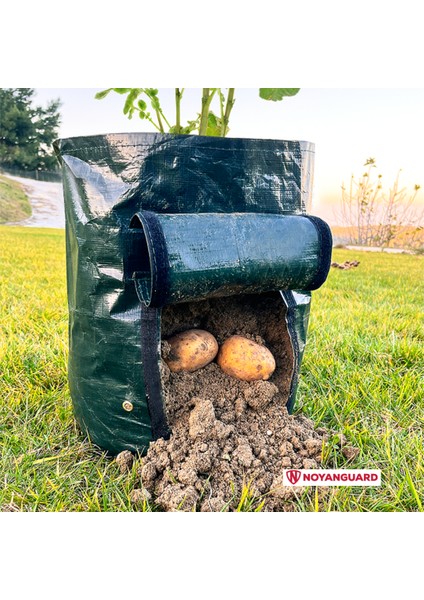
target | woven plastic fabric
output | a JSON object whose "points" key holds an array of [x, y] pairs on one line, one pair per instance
{"points": [[107, 180], [192, 256]]}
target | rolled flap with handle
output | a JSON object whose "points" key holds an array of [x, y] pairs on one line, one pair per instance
{"points": [[183, 257]]}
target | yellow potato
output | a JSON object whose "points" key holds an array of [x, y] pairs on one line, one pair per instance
{"points": [[191, 350], [244, 359]]}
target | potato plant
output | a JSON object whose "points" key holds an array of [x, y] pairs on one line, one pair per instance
{"points": [[145, 103]]}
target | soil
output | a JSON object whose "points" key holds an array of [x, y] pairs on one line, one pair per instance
{"points": [[346, 265], [228, 434], [125, 461]]}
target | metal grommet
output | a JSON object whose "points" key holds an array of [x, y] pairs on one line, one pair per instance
{"points": [[128, 406]]}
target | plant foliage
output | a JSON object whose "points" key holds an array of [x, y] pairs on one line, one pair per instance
{"points": [[146, 104]]}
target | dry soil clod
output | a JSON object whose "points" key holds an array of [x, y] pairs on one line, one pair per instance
{"points": [[346, 265], [125, 461]]}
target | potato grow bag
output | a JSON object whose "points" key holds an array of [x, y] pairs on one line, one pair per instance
{"points": [[159, 226]]}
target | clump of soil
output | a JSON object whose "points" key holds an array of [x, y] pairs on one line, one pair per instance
{"points": [[348, 264], [228, 433], [125, 461]]}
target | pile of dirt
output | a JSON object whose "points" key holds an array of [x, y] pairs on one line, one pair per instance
{"points": [[348, 264], [228, 434], [241, 437]]}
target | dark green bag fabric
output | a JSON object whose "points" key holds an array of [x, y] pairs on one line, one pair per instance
{"points": [[192, 256], [154, 220]]}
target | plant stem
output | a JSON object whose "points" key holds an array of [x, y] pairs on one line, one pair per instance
{"points": [[159, 114], [164, 118], [161, 129], [204, 112], [158, 111], [228, 107], [206, 102], [221, 106], [154, 124], [178, 96]]}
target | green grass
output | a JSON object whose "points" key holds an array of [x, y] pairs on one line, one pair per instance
{"points": [[362, 375], [14, 204]]}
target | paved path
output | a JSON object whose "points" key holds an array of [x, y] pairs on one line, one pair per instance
{"points": [[46, 201], [377, 249]]}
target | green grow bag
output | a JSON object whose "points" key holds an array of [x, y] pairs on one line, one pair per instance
{"points": [[156, 223]]}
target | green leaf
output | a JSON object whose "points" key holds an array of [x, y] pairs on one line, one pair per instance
{"points": [[102, 94], [129, 102], [142, 105], [214, 127], [276, 94], [155, 103], [122, 90], [191, 126]]}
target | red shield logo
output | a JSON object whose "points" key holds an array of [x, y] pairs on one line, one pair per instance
{"points": [[293, 476]]}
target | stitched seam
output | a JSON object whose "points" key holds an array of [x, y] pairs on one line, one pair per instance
{"points": [[246, 151], [153, 254], [323, 240]]}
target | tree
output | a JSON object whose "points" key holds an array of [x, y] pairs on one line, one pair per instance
{"points": [[27, 131], [375, 217]]}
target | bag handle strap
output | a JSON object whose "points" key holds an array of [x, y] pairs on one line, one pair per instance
{"points": [[136, 257], [150, 355]]}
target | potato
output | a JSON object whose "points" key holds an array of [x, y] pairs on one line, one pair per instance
{"points": [[244, 359], [190, 350]]}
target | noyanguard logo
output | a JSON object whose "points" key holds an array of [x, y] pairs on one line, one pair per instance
{"points": [[332, 477], [293, 476]]}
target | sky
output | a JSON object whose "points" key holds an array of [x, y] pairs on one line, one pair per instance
{"points": [[347, 126]]}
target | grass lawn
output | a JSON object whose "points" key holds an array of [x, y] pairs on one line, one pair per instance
{"points": [[14, 204], [362, 375]]}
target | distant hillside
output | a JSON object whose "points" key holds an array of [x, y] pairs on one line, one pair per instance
{"points": [[14, 203]]}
